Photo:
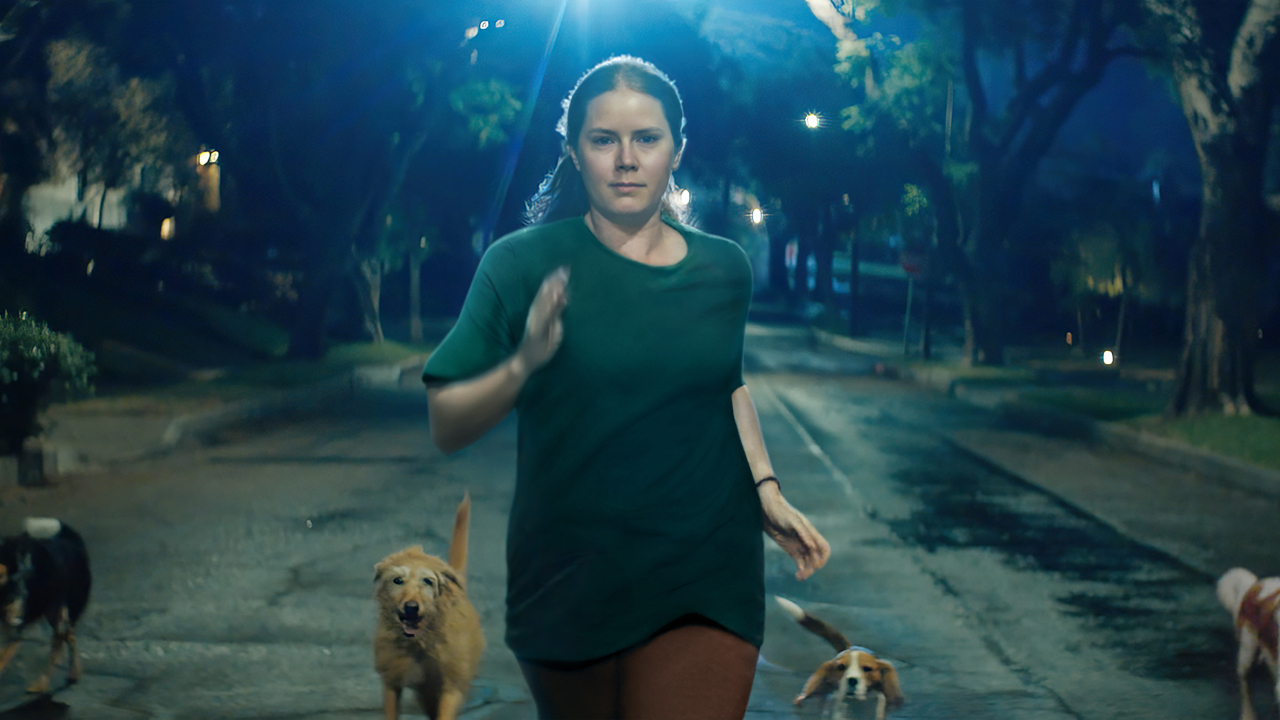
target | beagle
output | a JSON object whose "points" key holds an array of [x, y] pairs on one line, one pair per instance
{"points": [[852, 674], [1255, 606]]}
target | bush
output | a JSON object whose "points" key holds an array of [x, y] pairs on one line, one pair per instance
{"points": [[37, 366]]}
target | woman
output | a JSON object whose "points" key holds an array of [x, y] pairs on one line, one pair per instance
{"points": [[634, 554]]}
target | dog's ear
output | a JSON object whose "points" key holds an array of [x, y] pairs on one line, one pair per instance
{"points": [[378, 570], [826, 676], [892, 689], [449, 579]]}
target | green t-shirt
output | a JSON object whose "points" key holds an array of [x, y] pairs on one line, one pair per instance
{"points": [[633, 502]]}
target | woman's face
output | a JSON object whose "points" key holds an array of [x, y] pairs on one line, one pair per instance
{"points": [[626, 154]]}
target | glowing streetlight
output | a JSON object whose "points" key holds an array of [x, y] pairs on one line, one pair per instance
{"points": [[757, 216], [1108, 357], [812, 121], [685, 197]]}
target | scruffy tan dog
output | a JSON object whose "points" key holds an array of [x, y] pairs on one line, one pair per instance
{"points": [[428, 636]]}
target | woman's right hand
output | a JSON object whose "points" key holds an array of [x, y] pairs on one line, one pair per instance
{"points": [[544, 329]]}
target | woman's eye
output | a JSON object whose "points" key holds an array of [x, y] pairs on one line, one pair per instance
{"points": [[601, 140], [398, 581], [648, 140]]}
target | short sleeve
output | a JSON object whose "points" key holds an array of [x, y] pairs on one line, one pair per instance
{"points": [[484, 333]]}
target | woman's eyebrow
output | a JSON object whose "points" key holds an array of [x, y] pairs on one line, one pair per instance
{"points": [[641, 131]]}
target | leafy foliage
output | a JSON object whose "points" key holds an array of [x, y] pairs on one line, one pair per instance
{"points": [[37, 365], [108, 126]]}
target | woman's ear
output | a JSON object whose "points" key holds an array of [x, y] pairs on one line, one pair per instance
{"points": [[675, 164], [573, 157]]}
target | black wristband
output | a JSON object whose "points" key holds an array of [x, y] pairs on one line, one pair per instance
{"points": [[762, 481]]}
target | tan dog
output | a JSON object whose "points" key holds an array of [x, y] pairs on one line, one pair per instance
{"points": [[852, 674], [428, 636], [1255, 606]]}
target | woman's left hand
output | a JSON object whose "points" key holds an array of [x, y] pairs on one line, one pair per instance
{"points": [[792, 531]]}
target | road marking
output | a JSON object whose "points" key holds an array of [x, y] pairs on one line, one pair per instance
{"points": [[845, 483]]}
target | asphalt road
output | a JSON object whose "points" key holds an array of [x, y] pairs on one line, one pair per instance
{"points": [[235, 580]]}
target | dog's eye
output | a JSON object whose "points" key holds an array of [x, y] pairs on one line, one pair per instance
{"points": [[398, 581], [867, 668], [429, 582], [841, 667]]}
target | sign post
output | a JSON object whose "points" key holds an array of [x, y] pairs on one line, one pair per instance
{"points": [[912, 264]]}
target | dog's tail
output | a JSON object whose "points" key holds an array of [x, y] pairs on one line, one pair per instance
{"points": [[1232, 586], [42, 528], [814, 625], [461, 529]]}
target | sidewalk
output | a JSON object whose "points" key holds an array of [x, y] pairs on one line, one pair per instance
{"points": [[93, 435]]}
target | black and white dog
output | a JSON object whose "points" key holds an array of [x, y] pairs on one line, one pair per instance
{"points": [[44, 573]]}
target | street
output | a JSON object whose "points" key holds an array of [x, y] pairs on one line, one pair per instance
{"points": [[234, 580]]}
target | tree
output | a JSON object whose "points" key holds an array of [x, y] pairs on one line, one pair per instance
{"points": [[107, 127], [1012, 73], [1225, 62], [322, 130]]}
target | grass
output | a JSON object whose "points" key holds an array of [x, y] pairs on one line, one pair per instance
{"points": [[244, 382], [1252, 439]]}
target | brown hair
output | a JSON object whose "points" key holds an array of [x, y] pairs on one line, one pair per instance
{"points": [[562, 194]]}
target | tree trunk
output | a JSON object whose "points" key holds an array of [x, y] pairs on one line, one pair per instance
{"points": [[307, 336], [102, 205], [1121, 319], [824, 254], [855, 278], [778, 264], [369, 290], [415, 298], [1079, 343], [1216, 369], [1228, 106]]}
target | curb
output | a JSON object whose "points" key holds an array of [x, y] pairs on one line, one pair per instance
{"points": [[197, 426], [1222, 470], [62, 458]]}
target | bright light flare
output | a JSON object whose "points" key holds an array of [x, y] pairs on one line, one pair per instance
{"points": [[207, 157], [757, 216], [685, 197], [1108, 357], [166, 228], [813, 121]]}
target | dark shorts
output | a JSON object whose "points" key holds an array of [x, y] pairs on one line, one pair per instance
{"points": [[573, 665]]}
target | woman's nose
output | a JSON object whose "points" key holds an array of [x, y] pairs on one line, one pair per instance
{"points": [[626, 157]]}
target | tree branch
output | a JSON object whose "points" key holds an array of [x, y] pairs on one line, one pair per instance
{"points": [[1252, 72], [972, 77]]}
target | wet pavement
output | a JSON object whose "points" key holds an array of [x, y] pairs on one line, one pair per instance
{"points": [[234, 580]]}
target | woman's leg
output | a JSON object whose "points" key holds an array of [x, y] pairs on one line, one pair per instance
{"points": [[574, 691], [697, 671]]}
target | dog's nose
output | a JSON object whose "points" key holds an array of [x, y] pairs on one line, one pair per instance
{"points": [[411, 609]]}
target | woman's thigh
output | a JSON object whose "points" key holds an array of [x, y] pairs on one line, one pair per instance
{"points": [[582, 692], [696, 671]]}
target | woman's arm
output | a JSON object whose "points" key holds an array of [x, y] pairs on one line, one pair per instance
{"points": [[787, 526], [463, 411]]}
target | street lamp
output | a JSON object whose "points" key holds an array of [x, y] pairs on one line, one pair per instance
{"points": [[813, 121], [757, 216]]}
